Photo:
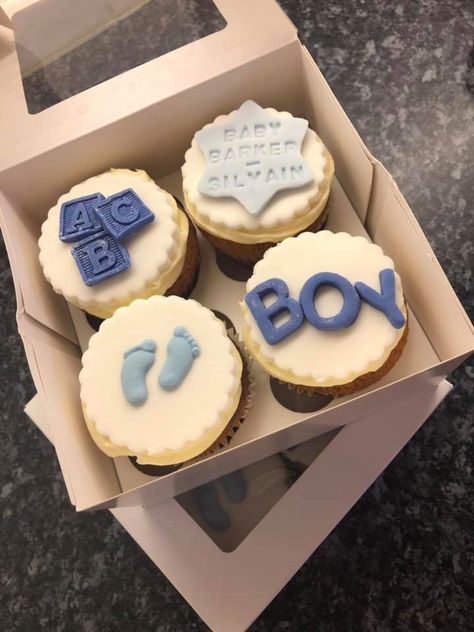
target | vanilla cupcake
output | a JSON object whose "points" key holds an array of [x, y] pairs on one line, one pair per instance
{"points": [[116, 237], [255, 177], [325, 313], [144, 376]]}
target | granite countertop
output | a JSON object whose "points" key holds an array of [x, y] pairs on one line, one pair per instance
{"points": [[402, 558]]}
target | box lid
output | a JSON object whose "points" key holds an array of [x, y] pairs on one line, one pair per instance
{"points": [[253, 29], [239, 584]]}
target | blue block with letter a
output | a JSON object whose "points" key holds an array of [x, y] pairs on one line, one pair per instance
{"points": [[78, 218]]}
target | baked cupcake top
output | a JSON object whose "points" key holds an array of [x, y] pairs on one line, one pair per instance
{"points": [[160, 380], [98, 263], [323, 308], [256, 173]]}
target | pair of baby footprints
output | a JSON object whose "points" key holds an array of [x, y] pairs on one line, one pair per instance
{"points": [[180, 354]]}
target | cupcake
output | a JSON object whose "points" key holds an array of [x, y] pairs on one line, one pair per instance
{"points": [[116, 237], [255, 177], [163, 383], [324, 313]]}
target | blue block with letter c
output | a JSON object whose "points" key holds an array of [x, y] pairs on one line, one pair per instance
{"points": [[123, 214]]}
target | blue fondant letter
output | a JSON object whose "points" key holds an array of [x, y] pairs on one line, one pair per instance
{"points": [[350, 308], [78, 218], [385, 301], [123, 212], [264, 314], [100, 256]]}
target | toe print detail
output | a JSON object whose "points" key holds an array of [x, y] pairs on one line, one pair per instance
{"points": [[181, 351], [136, 364]]}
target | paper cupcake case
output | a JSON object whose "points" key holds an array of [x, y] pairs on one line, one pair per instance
{"points": [[185, 283], [245, 403]]}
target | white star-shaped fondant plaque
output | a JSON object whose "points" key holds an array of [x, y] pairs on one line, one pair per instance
{"points": [[252, 156]]}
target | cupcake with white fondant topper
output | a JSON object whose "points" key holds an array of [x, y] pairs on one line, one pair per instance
{"points": [[255, 177], [144, 376], [325, 313], [116, 237]]}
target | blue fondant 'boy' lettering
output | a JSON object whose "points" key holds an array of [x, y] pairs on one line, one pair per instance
{"points": [[349, 310], [100, 257], [78, 218], [385, 301], [264, 315], [123, 214]]}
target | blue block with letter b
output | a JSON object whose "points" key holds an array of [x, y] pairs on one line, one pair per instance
{"points": [[100, 257]]}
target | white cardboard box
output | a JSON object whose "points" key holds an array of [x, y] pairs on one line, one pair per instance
{"points": [[146, 118], [240, 584]]}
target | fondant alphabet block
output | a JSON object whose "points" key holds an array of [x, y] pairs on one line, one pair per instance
{"points": [[100, 257], [123, 214], [78, 218]]}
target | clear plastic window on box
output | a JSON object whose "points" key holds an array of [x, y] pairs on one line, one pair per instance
{"points": [[229, 507], [65, 47]]}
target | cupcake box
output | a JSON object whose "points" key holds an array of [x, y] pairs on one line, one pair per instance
{"points": [[244, 579], [146, 118]]}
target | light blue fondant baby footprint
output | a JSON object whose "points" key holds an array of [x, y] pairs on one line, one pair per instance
{"points": [[181, 351], [136, 364]]}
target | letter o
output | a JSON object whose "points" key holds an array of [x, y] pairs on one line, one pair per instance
{"points": [[349, 310]]}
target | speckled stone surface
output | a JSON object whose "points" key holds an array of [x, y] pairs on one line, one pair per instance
{"points": [[402, 559]]}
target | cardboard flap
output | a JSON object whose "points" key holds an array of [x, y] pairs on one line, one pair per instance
{"points": [[34, 294], [226, 461], [247, 579], [4, 19], [452, 333], [31, 333], [253, 30], [243, 582], [350, 154], [49, 355]]}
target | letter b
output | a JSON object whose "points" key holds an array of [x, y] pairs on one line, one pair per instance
{"points": [[100, 256], [264, 315]]}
